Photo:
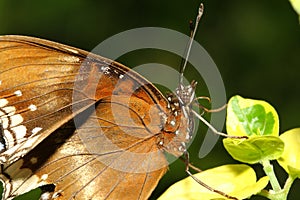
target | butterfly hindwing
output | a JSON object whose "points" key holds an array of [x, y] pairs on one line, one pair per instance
{"points": [[93, 162]]}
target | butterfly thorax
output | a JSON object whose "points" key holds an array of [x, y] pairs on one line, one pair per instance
{"points": [[179, 125]]}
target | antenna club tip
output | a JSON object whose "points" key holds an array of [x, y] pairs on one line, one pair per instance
{"points": [[201, 8]]}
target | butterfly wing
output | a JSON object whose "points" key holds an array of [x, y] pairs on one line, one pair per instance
{"points": [[45, 84], [115, 148], [94, 162], [35, 92]]}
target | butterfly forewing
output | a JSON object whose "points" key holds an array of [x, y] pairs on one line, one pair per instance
{"points": [[37, 83], [35, 94]]}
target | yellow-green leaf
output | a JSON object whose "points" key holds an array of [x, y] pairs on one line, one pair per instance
{"points": [[296, 6], [236, 180], [251, 117], [290, 159], [254, 149]]}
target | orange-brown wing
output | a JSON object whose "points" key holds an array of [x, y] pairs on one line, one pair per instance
{"points": [[35, 93], [103, 159], [45, 84], [115, 151]]}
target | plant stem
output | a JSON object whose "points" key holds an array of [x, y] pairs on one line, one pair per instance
{"points": [[277, 193], [288, 184], [268, 168], [266, 194]]}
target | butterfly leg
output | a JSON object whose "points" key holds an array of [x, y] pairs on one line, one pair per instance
{"points": [[186, 160]]}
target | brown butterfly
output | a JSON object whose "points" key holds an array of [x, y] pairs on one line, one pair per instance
{"points": [[123, 124], [44, 73]]}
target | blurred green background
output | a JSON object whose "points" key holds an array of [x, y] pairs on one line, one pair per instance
{"points": [[255, 44]]}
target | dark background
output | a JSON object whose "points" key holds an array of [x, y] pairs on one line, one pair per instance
{"points": [[255, 44]]}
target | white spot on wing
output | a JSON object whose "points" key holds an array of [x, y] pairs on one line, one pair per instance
{"points": [[16, 119], [173, 123], [9, 138], [32, 107], [44, 177], [3, 102], [4, 121], [8, 116], [18, 93], [29, 143], [46, 196], [20, 132], [10, 110], [36, 130]]}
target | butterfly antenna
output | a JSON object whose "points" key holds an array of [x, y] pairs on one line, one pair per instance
{"points": [[183, 66], [189, 46]]}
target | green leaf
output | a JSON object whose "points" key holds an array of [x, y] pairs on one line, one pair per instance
{"points": [[32, 195], [251, 117], [255, 149], [290, 159], [236, 180]]}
